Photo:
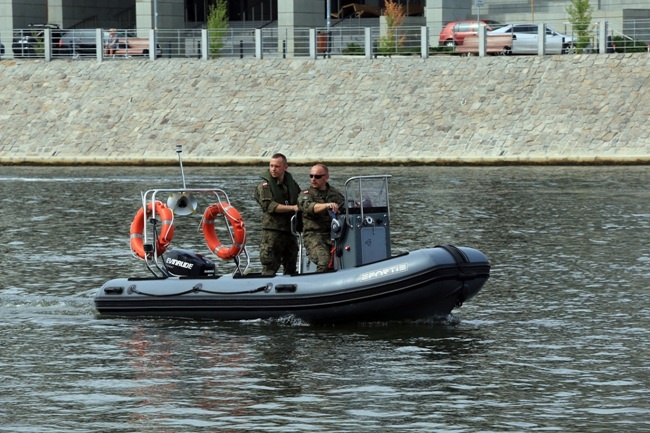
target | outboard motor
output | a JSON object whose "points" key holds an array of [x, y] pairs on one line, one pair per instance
{"points": [[185, 263]]}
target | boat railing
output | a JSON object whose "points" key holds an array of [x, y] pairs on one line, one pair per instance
{"points": [[183, 202]]}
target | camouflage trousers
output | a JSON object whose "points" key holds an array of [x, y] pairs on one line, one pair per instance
{"points": [[318, 246], [277, 249]]}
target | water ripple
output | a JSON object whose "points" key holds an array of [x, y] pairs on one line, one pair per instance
{"points": [[557, 341]]}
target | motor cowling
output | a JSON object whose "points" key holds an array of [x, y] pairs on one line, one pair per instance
{"points": [[185, 263]]}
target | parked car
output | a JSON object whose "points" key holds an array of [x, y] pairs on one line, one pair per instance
{"points": [[525, 39], [83, 42], [55, 33], [29, 42], [24, 44], [135, 47], [454, 33]]}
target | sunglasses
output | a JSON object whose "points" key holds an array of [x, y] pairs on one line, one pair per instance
{"points": [[316, 176]]}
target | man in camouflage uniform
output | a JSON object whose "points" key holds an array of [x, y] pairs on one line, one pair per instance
{"points": [[278, 197], [317, 205]]}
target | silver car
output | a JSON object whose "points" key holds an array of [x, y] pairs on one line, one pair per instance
{"points": [[525, 39]]}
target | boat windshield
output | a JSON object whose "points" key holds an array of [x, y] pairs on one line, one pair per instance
{"points": [[364, 194]]}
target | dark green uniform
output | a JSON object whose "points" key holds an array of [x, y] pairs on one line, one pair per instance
{"points": [[278, 246], [316, 226]]}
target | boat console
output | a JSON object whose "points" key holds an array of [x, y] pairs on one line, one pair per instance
{"points": [[361, 231]]}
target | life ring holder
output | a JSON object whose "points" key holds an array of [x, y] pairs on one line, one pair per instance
{"points": [[166, 230], [237, 232]]}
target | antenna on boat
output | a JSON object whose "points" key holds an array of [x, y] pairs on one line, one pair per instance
{"points": [[179, 150], [180, 202]]}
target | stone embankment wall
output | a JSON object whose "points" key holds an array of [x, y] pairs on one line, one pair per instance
{"points": [[572, 109]]}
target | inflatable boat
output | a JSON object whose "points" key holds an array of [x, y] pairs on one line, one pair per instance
{"points": [[367, 282]]}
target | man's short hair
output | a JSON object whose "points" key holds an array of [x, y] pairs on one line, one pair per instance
{"points": [[279, 155]]}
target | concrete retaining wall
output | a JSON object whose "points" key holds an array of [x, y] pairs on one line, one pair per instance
{"points": [[406, 110]]}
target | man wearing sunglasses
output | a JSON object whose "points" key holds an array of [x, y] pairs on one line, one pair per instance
{"points": [[318, 205], [278, 195]]}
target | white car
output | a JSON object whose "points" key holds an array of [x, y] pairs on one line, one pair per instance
{"points": [[525, 37]]}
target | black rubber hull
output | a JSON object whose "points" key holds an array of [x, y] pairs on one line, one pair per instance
{"points": [[423, 284]]}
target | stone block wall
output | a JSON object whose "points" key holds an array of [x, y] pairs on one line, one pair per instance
{"points": [[571, 109]]}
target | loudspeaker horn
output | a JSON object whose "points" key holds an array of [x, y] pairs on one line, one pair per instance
{"points": [[182, 204]]}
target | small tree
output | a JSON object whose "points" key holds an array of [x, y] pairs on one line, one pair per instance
{"points": [[217, 24], [580, 17], [395, 16]]}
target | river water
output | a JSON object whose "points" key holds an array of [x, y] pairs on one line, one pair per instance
{"points": [[558, 340]]}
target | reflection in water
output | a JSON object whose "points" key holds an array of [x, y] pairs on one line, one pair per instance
{"points": [[228, 374], [557, 340]]}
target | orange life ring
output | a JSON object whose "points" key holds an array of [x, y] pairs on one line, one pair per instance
{"points": [[166, 230], [238, 230]]}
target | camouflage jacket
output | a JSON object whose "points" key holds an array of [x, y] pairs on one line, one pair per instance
{"points": [[318, 222], [269, 194]]}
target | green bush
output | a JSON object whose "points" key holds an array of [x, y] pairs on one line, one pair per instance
{"points": [[441, 49], [353, 49], [624, 45]]}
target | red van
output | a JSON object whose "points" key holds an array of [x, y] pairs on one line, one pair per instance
{"points": [[454, 32]]}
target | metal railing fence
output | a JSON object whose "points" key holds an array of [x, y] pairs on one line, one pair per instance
{"points": [[241, 42]]}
